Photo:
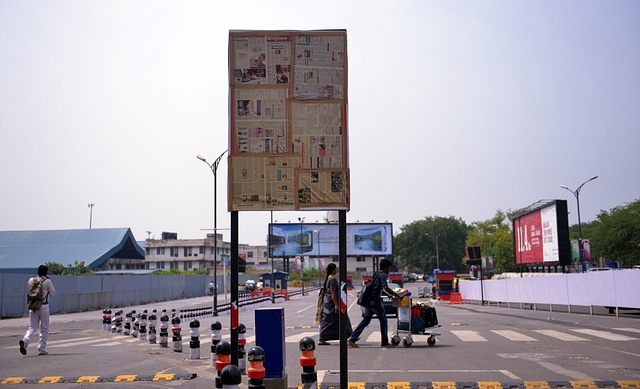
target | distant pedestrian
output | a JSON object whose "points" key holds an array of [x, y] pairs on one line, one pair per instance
{"points": [[39, 316], [211, 288], [379, 284]]}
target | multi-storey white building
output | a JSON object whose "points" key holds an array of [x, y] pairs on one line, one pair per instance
{"points": [[184, 254], [197, 254]]}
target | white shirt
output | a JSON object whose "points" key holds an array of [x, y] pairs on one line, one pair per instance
{"points": [[48, 290]]}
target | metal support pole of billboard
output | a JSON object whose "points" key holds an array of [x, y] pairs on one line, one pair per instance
{"points": [[342, 269], [270, 243], [233, 308], [577, 194], [301, 220]]}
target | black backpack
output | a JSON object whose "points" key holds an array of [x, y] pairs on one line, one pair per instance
{"points": [[366, 294]]}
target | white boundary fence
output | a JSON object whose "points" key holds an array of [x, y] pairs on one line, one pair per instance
{"points": [[616, 288]]}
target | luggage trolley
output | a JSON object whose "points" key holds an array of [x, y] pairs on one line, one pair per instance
{"points": [[403, 329]]}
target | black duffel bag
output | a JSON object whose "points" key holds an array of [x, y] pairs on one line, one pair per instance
{"points": [[430, 316]]}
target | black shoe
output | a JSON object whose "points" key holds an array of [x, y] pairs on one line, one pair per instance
{"points": [[23, 348]]}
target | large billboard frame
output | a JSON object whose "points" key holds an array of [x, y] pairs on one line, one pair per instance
{"points": [[321, 239], [541, 235]]}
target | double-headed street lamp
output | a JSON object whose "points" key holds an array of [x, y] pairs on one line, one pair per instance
{"points": [[577, 194], [214, 168], [90, 214], [437, 252], [318, 238]]}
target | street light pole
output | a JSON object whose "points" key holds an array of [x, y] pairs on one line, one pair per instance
{"points": [[576, 193], [214, 168], [318, 237], [437, 252], [90, 214]]}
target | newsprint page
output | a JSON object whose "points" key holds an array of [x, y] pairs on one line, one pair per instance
{"points": [[288, 122]]}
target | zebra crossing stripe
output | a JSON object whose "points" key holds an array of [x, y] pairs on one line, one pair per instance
{"points": [[561, 336], [468, 336], [628, 329], [604, 334], [72, 344], [515, 336], [296, 338]]}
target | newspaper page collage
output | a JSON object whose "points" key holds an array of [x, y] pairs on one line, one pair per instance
{"points": [[288, 125]]}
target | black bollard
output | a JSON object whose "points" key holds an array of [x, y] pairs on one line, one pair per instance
{"points": [[256, 371]]}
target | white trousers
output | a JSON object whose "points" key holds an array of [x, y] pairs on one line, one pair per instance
{"points": [[39, 318]]}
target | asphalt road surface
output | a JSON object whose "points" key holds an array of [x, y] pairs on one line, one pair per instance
{"points": [[476, 343]]}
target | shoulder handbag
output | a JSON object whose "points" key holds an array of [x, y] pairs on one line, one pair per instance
{"points": [[366, 293]]}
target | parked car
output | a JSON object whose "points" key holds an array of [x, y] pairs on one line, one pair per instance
{"points": [[250, 285], [387, 303], [598, 269]]}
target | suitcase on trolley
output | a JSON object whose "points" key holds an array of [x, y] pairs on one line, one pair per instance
{"points": [[430, 316]]}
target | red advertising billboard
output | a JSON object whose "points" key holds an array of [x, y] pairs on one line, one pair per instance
{"points": [[541, 235]]}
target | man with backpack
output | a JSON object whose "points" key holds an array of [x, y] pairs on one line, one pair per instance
{"points": [[375, 306], [40, 289]]}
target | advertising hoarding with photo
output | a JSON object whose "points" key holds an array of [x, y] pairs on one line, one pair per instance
{"points": [[288, 240], [541, 235]]}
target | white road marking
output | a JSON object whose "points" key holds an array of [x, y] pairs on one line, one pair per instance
{"points": [[296, 338], [561, 336], [576, 375], [468, 336], [106, 344], [71, 344], [605, 335], [515, 336], [628, 329]]}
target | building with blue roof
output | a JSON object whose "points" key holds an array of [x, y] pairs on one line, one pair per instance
{"points": [[97, 248]]}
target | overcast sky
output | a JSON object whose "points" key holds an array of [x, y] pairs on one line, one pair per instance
{"points": [[456, 108]]}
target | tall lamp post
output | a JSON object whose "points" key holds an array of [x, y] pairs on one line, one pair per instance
{"points": [[437, 252], [577, 194], [214, 168], [318, 237], [90, 214]]}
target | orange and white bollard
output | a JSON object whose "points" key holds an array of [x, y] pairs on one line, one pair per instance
{"points": [[223, 359], [256, 371], [309, 376]]}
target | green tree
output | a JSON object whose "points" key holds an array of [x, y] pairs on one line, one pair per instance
{"points": [[617, 237], [78, 270], [495, 237], [55, 267], [415, 245]]}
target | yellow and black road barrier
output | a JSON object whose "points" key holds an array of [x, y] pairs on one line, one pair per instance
{"points": [[93, 379], [486, 385]]}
